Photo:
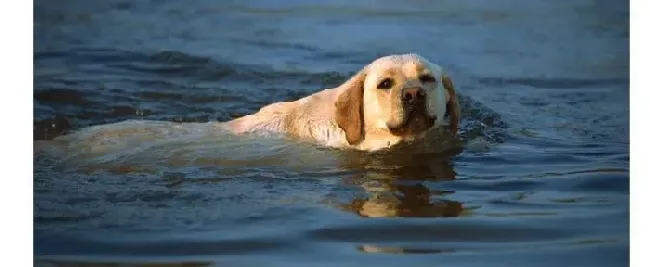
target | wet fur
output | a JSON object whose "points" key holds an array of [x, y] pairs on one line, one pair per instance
{"points": [[355, 114]]}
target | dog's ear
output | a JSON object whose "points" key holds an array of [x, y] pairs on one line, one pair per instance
{"points": [[349, 108], [453, 108]]}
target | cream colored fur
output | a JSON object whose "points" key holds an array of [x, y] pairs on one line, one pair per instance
{"points": [[355, 114]]}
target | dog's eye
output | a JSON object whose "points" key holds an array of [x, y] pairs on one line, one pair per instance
{"points": [[385, 84], [426, 78]]}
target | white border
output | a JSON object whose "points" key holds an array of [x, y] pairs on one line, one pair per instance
{"points": [[17, 200], [639, 87]]}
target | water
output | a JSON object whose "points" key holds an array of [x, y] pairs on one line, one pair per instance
{"points": [[543, 179]]}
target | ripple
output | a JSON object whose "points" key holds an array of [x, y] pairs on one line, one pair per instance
{"points": [[441, 232], [554, 83], [62, 217], [177, 248], [367, 248], [47, 129], [61, 261]]}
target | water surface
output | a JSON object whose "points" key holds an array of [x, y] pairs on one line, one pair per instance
{"points": [[543, 179]]}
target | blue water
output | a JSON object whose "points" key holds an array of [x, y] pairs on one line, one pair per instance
{"points": [[543, 179]]}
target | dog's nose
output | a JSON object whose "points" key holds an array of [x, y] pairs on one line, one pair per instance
{"points": [[411, 95]]}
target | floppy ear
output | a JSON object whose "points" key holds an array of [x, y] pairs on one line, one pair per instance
{"points": [[349, 108], [453, 108]]}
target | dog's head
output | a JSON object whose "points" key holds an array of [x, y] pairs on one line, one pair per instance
{"points": [[403, 94]]}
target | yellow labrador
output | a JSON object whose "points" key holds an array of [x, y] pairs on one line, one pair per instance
{"points": [[394, 99]]}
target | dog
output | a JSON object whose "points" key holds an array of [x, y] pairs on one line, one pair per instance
{"points": [[393, 100]]}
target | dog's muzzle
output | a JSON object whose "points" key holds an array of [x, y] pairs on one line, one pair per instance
{"points": [[415, 111], [413, 96]]}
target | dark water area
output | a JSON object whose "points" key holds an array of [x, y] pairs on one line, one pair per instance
{"points": [[543, 179]]}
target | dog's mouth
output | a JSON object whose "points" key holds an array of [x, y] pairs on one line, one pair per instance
{"points": [[416, 121]]}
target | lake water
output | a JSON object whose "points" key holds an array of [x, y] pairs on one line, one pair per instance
{"points": [[543, 179]]}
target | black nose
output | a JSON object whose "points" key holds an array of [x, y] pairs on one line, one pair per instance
{"points": [[411, 95]]}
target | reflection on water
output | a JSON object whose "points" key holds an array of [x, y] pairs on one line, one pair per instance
{"points": [[403, 201], [401, 192], [397, 250]]}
